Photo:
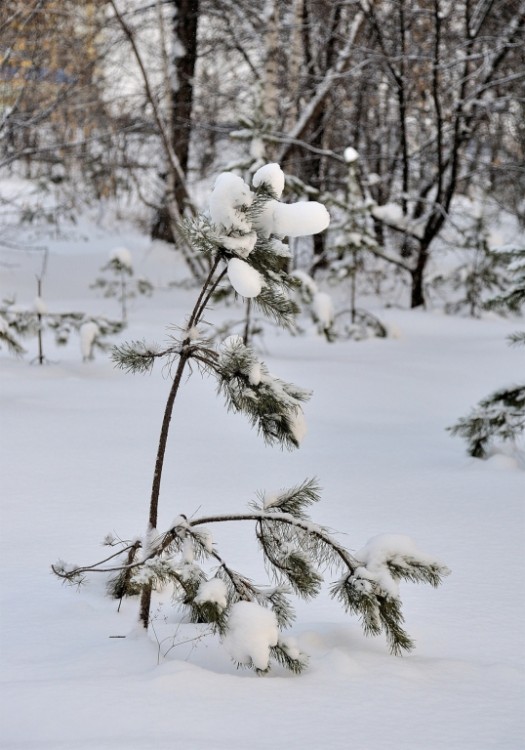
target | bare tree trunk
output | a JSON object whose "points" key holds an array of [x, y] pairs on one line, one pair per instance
{"points": [[184, 32]]}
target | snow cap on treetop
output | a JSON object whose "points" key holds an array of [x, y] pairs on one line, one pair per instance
{"points": [[229, 194], [39, 306], [122, 255], [271, 175], [245, 279]]}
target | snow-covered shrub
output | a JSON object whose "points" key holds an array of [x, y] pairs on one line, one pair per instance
{"points": [[117, 281], [243, 246]]}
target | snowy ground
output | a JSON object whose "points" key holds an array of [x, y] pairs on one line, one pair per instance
{"points": [[77, 450]]}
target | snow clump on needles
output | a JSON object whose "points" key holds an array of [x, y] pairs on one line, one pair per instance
{"points": [[240, 227]]}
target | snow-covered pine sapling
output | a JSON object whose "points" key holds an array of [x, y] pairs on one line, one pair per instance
{"points": [[500, 417], [351, 246], [120, 268], [243, 243], [484, 271], [20, 321]]}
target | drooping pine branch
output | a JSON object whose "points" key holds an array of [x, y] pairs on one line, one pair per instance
{"points": [[296, 552], [272, 405]]}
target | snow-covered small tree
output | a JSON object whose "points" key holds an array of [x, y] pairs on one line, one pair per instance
{"points": [[118, 281], [500, 417], [21, 321], [482, 271], [349, 251], [243, 245]]}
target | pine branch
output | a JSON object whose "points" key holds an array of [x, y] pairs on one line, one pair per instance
{"points": [[499, 416], [10, 341], [137, 356], [271, 405], [288, 657], [292, 501]]}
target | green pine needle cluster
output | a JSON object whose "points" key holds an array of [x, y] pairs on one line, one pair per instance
{"points": [[139, 357], [272, 405]]}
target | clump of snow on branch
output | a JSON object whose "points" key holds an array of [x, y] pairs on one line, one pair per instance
{"points": [[246, 281], [240, 223], [229, 199], [350, 155], [388, 557], [272, 176], [298, 425], [214, 592], [39, 306], [252, 631], [292, 219]]}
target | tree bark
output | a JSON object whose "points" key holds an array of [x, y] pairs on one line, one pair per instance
{"points": [[184, 31]]}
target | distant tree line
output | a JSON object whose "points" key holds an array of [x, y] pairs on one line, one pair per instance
{"points": [[149, 96]]}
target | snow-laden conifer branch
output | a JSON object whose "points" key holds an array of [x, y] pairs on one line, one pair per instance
{"points": [[513, 298], [272, 405], [296, 552], [500, 417], [7, 336], [371, 590], [139, 357]]}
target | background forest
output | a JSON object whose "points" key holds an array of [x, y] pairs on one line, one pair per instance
{"points": [[146, 100]]}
